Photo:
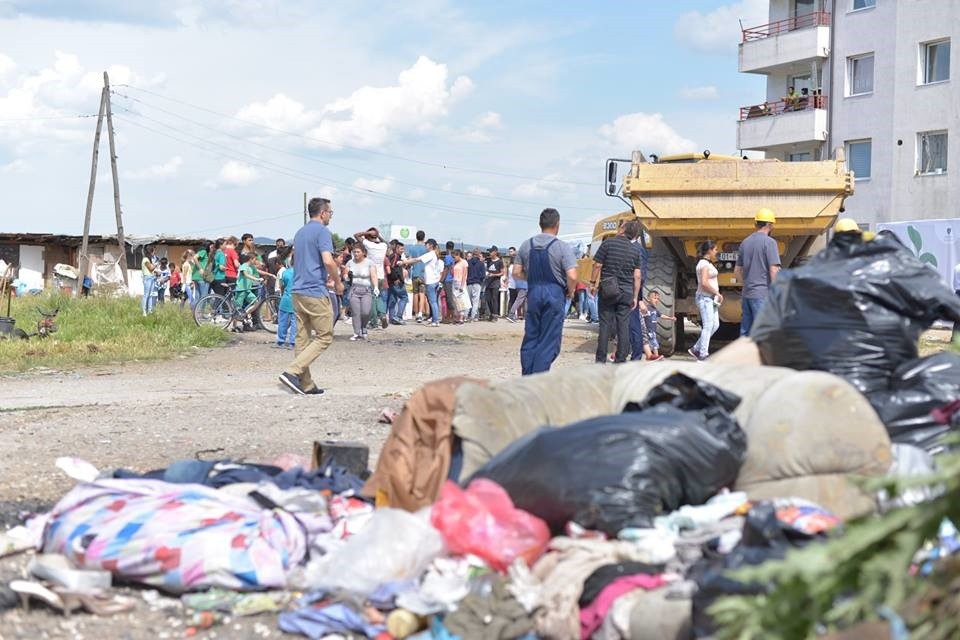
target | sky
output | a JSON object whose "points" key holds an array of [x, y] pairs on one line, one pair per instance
{"points": [[464, 119]]}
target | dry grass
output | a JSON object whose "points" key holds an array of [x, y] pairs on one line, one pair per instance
{"points": [[98, 330]]}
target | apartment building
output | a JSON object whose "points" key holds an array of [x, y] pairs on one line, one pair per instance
{"points": [[879, 79]]}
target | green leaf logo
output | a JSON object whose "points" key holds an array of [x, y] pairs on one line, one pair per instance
{"points": [[929, 258], [915, 239]]}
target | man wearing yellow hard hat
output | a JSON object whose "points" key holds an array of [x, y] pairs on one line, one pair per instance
{"points": [[847, 227], [758, 262]]}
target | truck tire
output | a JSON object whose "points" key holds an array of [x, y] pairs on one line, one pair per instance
{"points": [[662, 277]]}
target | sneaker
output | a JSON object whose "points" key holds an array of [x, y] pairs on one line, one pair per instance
{"points": [[511, 319], [583, 317], [694, 354], [292, 382], [291, 347], [316, 391], [354, 337], [419, 318], [278, 345], [434, 324], [383, 322], [364, 335]]}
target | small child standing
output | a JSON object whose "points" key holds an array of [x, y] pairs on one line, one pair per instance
{"points": [[287, 319], [163, 278], [649, 316]]}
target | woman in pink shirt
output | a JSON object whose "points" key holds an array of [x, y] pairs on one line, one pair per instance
{"points": [[460, 268]]}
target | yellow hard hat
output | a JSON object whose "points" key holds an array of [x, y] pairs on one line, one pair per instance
{"points": [[845, 225], [766, 215], [868, 236]]}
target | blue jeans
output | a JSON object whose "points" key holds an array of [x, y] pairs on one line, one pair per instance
{"points": [[397, 300], [581, 301], [709, 323], [374, 311], [286, 327], [592, 314], [203, 288], [188, 288], [751, 309], [149, 287], [434, 300]]}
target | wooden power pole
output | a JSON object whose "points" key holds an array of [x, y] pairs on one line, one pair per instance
{"points": [[304, 207], [84, 261]]}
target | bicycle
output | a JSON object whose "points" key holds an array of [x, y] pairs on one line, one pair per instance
{"points": [[222, 311]]}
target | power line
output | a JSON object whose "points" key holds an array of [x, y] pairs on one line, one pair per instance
{"points": [[245, 222], [297, 174], [340, 166], [436, 165], [70, 117]]}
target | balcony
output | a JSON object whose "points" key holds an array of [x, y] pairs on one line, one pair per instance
{"points": [[781, 123], [783, 44]]}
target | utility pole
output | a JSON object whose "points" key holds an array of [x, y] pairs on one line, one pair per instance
{"points": [[84, 260], [304, 207], [116, 180]]}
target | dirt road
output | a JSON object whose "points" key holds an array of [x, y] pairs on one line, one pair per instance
{"points": [[227, 401]]}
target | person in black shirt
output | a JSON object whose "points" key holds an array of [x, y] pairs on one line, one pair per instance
{"points": [[476, 271], [491, 284], [618, 264]]}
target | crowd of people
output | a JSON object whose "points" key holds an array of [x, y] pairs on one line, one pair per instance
{"points": [[369, 282]]}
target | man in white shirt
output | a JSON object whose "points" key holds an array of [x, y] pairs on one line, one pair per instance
{"points": [[432, 270], [376, 252]]}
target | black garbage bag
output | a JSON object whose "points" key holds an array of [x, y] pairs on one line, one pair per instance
{"points": [[856, 309], [679, 446], [764, 538], [917, 389]]}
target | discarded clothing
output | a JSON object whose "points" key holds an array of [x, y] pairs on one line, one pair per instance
{"points": [[415, 459], [694, 517], [562, 572], [179, 537], [679, 446], [494, 616], [607, 574], [592, 616], [315, 623], [221, 473]]}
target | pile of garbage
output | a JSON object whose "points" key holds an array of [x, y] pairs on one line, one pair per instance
{"points": [[590, 502]]}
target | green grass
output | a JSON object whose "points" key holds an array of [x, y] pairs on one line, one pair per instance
{"points": [[98, 330]]}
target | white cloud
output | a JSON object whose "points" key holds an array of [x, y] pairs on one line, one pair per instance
{"points": [[380, 185], [481, 128], [167, 169], [370, 115], [550, 184], [235, 174], [13, 167], [718, 31], [647, 132], [7, 65], [416, 194], [33, 100], [447, 186], [699, 93], [477, 190]]}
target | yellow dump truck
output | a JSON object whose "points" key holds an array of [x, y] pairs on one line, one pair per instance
{"points": [[683, 200]]}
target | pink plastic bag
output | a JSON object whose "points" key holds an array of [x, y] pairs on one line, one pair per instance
{"points": [[483, 521]]}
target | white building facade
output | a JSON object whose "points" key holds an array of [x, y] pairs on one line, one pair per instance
{"points": [[878, 78]]}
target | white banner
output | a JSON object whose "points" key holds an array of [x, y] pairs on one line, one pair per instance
{"points": [[933, 241], [406, 235]]}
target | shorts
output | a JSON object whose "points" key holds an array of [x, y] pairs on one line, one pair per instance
{"points": [[418, 286], [652, 340]]}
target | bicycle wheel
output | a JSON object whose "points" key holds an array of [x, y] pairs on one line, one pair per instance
{"points": [[269, 313], [213, 309]]}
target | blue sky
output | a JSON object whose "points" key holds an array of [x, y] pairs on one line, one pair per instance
{"points": [[464, 119]]}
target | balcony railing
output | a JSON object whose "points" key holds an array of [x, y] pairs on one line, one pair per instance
{"points": [[800, 103], [816, 19]]}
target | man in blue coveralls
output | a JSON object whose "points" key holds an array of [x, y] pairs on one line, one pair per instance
{"points": [[550, 269]]}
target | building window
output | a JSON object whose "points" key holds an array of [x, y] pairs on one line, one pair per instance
{"points": [[935, 61], [864, 4], [932, 152], [860, 75], [858, 158], [803, 156]]}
